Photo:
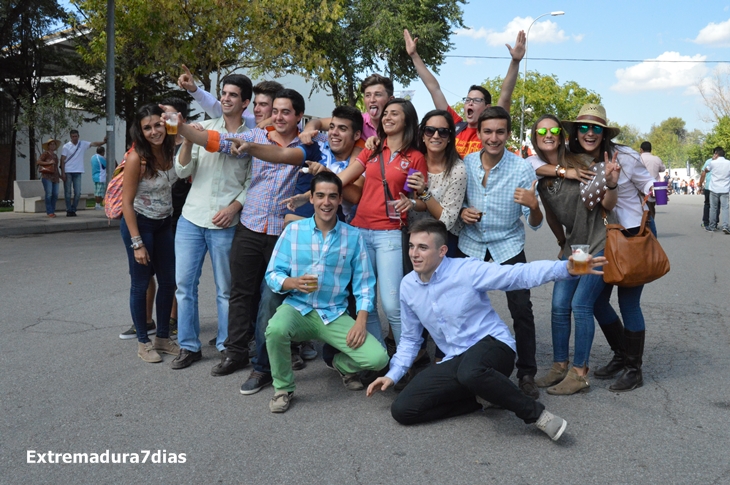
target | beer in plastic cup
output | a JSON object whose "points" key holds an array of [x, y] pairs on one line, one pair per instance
{"points": [[580, 258], [392, 213], [171, 123], [313, 284]]}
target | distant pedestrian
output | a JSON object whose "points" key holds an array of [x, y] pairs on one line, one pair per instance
{"points": [[705, 179], [48, 166], [654, 165], [720, 168], [98, 174], [72, 167]]}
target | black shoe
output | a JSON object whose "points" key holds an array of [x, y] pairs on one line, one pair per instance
{"points": [[228, 366], [212, 341], [186, 359], [297, 363], [255, 382], [70, 214], [529, 388], [131, 332]]}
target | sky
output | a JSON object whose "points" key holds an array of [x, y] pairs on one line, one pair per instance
{"points": [[637, 93]]}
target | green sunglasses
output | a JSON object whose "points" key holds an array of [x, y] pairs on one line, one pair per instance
{"points": [[555, 130], [597, 130]]}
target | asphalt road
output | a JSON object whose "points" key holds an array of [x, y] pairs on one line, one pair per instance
{"points": [[69, 385]]}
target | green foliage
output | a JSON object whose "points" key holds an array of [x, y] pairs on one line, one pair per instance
{"points": [[629, 136], [543, 95], [368, 37], [47, 117], [669, 141]]}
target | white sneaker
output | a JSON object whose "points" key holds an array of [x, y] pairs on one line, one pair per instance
{"points": [[551, 425]]}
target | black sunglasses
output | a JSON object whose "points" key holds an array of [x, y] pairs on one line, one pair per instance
{"points": [[429, 131]]}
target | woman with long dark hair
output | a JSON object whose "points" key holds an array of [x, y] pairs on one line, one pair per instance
{"points": [[146, 227], [591, 135], [441, 198], [48, 166], [394, 156], [572, 223]]}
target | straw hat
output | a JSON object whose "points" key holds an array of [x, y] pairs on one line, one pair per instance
{"points": [[45, 145], [592, 114]]}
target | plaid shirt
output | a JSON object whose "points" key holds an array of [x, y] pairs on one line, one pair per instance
{"points": [[271, 183], [336, 259], [500, 231]]}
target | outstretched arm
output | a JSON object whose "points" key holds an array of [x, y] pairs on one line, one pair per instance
{"points": [[439, 100], [508, 85]]}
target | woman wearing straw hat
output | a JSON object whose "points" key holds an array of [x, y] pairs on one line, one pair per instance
{"points": [[590, 134], [48, 168]]}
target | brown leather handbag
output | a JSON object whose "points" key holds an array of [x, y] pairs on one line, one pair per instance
{"points": [[633, 260]]}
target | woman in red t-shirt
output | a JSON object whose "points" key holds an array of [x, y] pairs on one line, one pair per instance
{"points": [[379, 224]]}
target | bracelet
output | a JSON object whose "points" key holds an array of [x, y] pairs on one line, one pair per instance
{"points": [[136, 245], [413, 201], [561, 172], [611, 188], [425, 196]]}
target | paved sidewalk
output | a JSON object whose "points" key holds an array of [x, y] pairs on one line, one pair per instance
{"points": [[23, 223]]}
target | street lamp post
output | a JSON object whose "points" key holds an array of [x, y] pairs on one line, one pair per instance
{"points": [[524, 75]]}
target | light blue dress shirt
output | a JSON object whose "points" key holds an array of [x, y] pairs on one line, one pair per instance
{"points": [[454, 306]]}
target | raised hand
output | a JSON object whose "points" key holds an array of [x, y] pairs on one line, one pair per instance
{"points": [[518, 51], [411, 47], [526, 197], [186, 81]]}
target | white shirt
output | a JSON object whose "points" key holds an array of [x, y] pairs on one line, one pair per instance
{"points": [[75, 163], [720, 169], [213, 108], [653, 164], [633, 181], [218, 180]]}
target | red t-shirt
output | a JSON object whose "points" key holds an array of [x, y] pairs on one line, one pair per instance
{"points": [[371, 211], [467, 140]]}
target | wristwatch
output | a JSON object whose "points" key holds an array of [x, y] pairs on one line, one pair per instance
{"points": [[413, 201], [136, 245], [560, 172]]}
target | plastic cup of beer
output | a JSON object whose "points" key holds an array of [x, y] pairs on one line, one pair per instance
{"points": [[392, 212], [581, 256], [171, 123], [312, 273]]}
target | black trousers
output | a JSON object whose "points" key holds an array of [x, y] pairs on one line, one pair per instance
{"points": [[706, 209], [448, 389], [250, 254], [523, 323]]}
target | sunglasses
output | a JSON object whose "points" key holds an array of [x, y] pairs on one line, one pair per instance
{"points": [[555, 130], [429, 131], [597, 130]]}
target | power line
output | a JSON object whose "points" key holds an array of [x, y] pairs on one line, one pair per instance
{"points": [[590, 60]]}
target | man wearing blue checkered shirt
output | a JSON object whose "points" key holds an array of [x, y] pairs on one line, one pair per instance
{"points": [[312, 263], [500, 188]]}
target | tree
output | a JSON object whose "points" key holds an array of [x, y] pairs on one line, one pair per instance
{"points": [[154, 38], [47, 117], [543, 95], [715, 92], [367, 38], [669, 141], [629, 136]]}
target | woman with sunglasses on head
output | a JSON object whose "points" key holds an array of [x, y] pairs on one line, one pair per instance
{"points": [[443, 195], [572, 223], [146, 227], [590, 134], [396, 153]]}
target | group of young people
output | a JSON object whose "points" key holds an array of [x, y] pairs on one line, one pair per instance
{"points": [[308, 232]]}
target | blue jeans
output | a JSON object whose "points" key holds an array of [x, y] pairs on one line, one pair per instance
{"points": [[191, 244], [75, 180], [268, 305], [576, 296], [629, 301], [384, 250], [51, 190], [157, 238], [717, 201]]}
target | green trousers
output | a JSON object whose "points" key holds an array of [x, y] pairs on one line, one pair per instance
{"points": [[288, 324]]}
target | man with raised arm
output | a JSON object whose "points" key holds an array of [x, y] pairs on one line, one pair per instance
{"points": [[477, 99], [448, 297], [208, 220]]}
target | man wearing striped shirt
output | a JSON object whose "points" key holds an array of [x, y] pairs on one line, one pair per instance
{"points": [[313, 262]]}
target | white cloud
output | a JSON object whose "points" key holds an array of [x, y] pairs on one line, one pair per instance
{"points": [[653, 76], [471, 62], [715, 34], [545, 31]]}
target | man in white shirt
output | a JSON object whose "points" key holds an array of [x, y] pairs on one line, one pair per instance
{"points": [[654, 165], [208, 220], [448, 297], [72, 166], [719, 188], [705, 182]]}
